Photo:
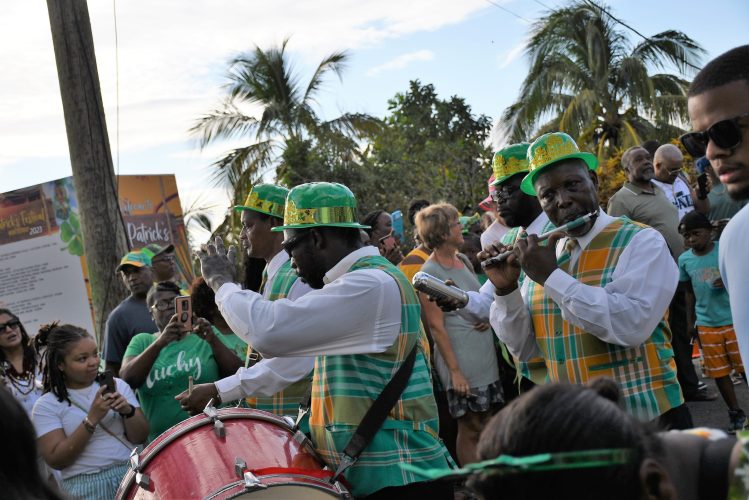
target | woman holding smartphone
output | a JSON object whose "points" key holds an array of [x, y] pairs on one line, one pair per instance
{"points": [[381, 235], [159, 365], [85, 430]]}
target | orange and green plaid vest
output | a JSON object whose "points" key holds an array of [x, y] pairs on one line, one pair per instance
{"points": [[285, 402], [646, 373], [345, 386], [534, 369]]}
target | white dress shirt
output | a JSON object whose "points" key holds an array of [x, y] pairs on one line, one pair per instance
{"points": [[269, 375], [624, 312], [480, 303], [355, 312]]}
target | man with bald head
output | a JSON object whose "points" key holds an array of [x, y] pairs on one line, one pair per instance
{"points": [[640, 200], [669, 177]]}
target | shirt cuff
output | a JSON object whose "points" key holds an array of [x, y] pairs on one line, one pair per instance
{"points": [[509, 302], [557, 285], [227, 289], [230, 388]]}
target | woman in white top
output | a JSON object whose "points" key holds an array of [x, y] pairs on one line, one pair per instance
{"points": [[84, 431], [18, 361]]}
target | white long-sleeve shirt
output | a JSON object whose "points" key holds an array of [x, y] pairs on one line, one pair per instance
{"points": [[624, 312], [479, 303], [354, 313], [269, 376]]}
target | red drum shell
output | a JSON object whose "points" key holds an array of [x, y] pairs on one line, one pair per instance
{"points": [[189, 460]]}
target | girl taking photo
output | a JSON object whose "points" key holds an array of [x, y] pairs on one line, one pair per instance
{"points": [[85, 431]]}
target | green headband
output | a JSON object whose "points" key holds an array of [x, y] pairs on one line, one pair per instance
{"points": [[506, 464]]}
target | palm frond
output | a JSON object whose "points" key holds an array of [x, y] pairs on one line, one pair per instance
{"points": [[335, 62], [239, 163], [224, 123], [670, 46]]}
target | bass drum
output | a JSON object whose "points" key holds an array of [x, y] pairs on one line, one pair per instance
{"points": [[239, 453]]}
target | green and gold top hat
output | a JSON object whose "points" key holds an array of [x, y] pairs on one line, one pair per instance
{"points": [[320, 204], [548, 150], [510, 161], [267, 199]]}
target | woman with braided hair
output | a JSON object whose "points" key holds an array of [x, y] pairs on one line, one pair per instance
{"points": [[18, 361], [84, 431]]}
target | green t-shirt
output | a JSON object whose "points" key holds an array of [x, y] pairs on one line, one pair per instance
{"points": [[169, 376], [233, 342]]}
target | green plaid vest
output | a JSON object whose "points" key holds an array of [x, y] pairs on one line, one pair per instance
{"points": [[345, 386], [646, 373], [533, 369], [285, 402]]}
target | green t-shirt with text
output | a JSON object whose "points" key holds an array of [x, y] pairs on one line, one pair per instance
{"points": [[169, 376]]}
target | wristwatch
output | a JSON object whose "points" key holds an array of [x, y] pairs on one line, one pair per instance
{"points": [[130, 413]]}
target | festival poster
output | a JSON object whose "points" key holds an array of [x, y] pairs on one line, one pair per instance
{"points": [[43, 274]]}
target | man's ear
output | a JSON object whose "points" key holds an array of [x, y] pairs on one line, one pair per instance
{"points": [[593, 178], [318, 238], [655, 481]]}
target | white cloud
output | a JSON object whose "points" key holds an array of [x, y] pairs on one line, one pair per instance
{"points": [[402, 61], [508, 57]]}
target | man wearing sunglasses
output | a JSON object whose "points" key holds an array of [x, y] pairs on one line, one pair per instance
{"points": [[718, 102]]}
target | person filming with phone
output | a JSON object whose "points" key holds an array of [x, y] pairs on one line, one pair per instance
{"points": [[159, 365], [87, 424]]}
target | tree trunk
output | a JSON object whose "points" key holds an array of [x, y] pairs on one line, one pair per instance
{"points": [[93, 174]]}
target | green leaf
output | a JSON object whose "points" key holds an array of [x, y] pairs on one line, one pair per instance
{"points": [[66, 232], [75, 247]]}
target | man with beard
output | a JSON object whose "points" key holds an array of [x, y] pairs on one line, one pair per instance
{"points": [[718, 102], [276, 385], [131, 316], [642, 201], [596, 296], [361, 322]]}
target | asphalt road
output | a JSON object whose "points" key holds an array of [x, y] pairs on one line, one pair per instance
{"points": [[715, 413]]}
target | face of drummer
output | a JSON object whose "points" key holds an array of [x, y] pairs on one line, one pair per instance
{"points": [[302, 246], [256, 236], [80, 363], [568, 190]]}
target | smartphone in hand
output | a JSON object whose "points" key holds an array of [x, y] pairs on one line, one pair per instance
{"points": [[388, 242], [183, 306], [106, 379]]}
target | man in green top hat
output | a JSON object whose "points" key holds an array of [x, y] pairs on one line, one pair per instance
{"points": [[131, 316], [596, 302], [275, 384], [361, 322]]}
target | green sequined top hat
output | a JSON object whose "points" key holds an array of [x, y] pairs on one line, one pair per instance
{"points": [[510, 161], [135, 258], [320, 204], [548, 150], [267, 199]]}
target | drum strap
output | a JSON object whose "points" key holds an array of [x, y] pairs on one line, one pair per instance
{"points": [[376, 414], [304, 404]]}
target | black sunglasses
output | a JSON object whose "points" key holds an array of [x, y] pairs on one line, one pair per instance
{"points": [[726, 134], [14, 323], [290, 244]]}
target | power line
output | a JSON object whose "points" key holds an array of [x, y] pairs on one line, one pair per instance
{"points": [[490, 2]]}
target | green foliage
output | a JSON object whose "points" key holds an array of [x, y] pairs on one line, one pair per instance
{"points": [[588, 79], [429, 148], [70, 233]]}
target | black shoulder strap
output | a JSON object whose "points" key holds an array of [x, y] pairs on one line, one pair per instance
{"points": [[377, 414]]}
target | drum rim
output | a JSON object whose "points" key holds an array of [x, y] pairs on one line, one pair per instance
{"points": [[318, 484], [232, 413]]}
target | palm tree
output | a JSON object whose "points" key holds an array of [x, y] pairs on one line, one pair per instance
{"points": [[288, 121], [587, 79]]}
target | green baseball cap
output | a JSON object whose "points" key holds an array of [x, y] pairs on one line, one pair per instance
{"points": [[267, 199], [319, 204], [548, 150], [154, 249], [135, 258], [510, 161]]}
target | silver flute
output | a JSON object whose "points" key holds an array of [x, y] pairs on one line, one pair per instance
{"points": [[541, 237], [438, 289]]}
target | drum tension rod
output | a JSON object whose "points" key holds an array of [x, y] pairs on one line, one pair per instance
{"points": [[239, 467], [211, 412], [141, 479]]}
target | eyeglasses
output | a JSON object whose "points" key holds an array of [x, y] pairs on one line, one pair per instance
{"points": [[163, 305], [726, 134], [12, 324], [504, 193], [290, 244]]}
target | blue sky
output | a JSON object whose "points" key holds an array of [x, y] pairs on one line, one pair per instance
{"points": [[172, 55]]}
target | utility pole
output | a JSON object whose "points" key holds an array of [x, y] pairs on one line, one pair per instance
{"points": [[104, 238]]}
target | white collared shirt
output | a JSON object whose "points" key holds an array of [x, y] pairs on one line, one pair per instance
{"points": [[269, 375], [624, 312], [480, 303], [354, 313]]}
